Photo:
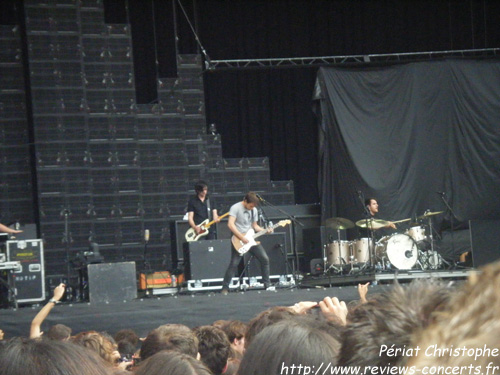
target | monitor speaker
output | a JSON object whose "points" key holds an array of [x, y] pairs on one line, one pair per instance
{"points": [[484, 241]]}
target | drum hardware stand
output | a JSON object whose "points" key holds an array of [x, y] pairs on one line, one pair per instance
{"points": [[369, 226], [325, 263], [431, 234]]}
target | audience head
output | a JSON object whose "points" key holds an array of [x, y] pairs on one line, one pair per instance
{"points": [[101, 343], [236, 331], [128, 335], [35, 357], [389, 319], [470, 321], [214, 348], [169, 362], [59, 332], [176, 337], [299, 341], [266, 318]]}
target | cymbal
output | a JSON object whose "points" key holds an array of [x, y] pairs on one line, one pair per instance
{"points": [[339, 223], [372, 223], [427, 214]]}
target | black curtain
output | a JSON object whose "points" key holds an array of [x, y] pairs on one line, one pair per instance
{"points": [[268, 113], [403, 133]]}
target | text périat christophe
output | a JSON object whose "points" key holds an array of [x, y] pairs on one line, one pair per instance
{"points": [[434, 351]]}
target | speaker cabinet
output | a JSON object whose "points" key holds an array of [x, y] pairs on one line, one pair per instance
{"points": [[484, 241], [112, 282], [206, 259], [275, 246], [29, 282], [179, 229], [314, 240]]}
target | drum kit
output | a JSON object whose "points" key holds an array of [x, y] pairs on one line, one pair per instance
{"points": [[413, 249]]}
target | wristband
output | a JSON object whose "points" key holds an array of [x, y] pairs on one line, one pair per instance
{"points": [[53, 301]]}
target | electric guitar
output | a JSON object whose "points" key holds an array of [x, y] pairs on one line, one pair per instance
{"points": [[191, 234], [242, 247]]}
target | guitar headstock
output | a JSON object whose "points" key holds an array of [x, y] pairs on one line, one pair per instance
{"points": [[282, 223]]}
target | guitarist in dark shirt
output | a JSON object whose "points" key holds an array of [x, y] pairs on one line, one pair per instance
{"points": [[199, 209]]}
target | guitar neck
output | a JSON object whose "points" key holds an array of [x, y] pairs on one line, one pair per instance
{"points": [[213, 221], [258, 234]]}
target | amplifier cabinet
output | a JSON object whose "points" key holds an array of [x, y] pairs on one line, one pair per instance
{"points": [[29, 281], [206, 259]]}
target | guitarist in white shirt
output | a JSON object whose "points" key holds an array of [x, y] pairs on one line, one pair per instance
{"points": [[243, 217], [199, 207]]}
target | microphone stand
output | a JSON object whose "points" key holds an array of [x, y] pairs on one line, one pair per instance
{"points": [[146, 265], [67, 245], [292, 218]]}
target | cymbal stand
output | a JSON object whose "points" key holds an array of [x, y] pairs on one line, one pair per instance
{"points": [[431, 236]]}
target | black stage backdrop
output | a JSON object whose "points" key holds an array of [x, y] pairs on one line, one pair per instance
{"points": [[403, 133]]}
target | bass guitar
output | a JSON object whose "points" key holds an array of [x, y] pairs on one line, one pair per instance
{"points": [[191, 234], [242, 247]]}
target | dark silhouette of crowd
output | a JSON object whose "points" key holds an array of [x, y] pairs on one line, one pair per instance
{"points": [[426, 326]]}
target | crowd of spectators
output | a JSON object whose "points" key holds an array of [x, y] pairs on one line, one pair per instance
{"points": [[427, 327]]}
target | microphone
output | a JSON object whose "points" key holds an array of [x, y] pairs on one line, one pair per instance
{"points": [[146, 235], [259, 197], [408, 254], [441, 192]]}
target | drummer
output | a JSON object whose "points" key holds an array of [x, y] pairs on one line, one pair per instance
{"points": [[372, 208]]}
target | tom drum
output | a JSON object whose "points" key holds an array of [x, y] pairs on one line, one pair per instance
{"points": [[417, 233], [338, 252], [361, 251]]}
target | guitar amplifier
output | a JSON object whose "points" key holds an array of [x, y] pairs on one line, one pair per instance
{"points": [[29, 280]]}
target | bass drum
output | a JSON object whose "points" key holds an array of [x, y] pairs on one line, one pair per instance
{"points": [[400, 250]]}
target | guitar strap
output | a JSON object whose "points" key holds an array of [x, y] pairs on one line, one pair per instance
{"points": [[209, 210]]}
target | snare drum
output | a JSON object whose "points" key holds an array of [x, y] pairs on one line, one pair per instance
{"points": [[361, 250], [417, 233], [338, 252]]}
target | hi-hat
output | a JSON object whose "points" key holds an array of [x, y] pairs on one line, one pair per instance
{"points": [[372, 223], [339, 223], [427, 214]]}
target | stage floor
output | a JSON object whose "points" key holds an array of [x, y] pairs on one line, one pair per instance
{"points": [[194, 309]]}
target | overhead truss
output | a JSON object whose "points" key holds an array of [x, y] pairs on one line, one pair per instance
{"points": [[352, 59]]}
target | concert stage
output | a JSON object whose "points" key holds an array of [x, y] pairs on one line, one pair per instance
{"points": [[193, 309]]}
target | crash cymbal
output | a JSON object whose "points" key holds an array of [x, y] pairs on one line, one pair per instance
{"points": [[339, 223], [372, 223], [427, 214]]}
